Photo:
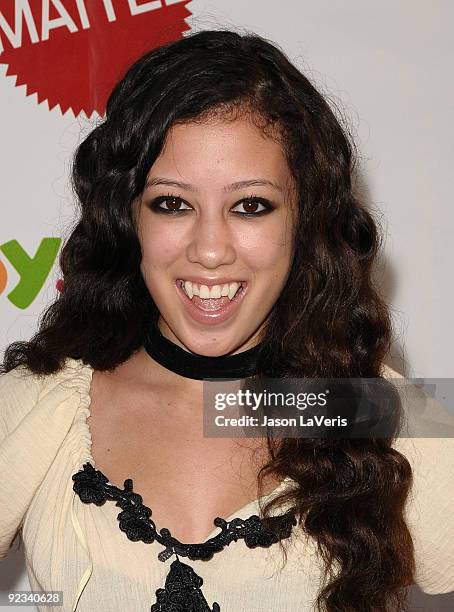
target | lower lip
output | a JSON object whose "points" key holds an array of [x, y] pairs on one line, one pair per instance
{"points": [[212, 317]]}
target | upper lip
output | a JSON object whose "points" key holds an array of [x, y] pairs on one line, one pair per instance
{"points": [[210, 282]]}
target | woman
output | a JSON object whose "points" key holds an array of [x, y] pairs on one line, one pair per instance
{"points": [[218, 236]]}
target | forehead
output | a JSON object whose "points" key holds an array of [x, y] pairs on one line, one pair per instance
{"points": [[219, 151]]}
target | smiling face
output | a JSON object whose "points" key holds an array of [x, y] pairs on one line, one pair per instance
{"points": [[193, 224]]}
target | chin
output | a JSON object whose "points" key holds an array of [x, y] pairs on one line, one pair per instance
{"points": [[213, 344], [215, 350]]}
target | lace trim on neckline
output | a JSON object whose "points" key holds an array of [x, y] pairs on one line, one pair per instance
{"points": [[92, 487]]}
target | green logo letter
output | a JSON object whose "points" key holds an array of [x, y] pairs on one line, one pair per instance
{"points": [[32, 271]]}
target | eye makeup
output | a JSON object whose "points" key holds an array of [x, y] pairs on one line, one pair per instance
{"points": [[174, 200]]}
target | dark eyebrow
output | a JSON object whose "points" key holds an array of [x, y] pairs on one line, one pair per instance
{"points": [[227, 188]]}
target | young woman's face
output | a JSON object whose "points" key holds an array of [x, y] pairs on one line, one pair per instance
{"points": [[193, 226]]}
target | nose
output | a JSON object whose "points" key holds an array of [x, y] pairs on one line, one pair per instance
{"points": [[211, 243]]}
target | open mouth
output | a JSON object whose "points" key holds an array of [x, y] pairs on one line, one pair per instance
{"points": [[208, 308], [216, 298]]}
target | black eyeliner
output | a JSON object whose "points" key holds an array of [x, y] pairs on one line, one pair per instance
{"points": [[256, 199], [155, 202]]}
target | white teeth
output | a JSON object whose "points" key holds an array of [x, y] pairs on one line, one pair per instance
{"points": [[233, 288], [215, 292], [205, 292], [188, 288]]}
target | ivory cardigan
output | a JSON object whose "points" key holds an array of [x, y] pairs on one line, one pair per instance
{"points": [[79, 549]]}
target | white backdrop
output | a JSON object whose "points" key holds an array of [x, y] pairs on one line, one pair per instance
{"points": [[386, 66]]}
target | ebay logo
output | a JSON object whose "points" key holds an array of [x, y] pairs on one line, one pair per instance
{"points": [[32, 271]]}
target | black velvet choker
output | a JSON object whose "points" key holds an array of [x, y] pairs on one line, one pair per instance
{"points": [[199, 367]]}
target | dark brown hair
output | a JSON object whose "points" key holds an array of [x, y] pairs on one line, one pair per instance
{"points": [[329, 320]]}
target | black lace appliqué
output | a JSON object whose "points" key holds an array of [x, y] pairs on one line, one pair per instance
{"points": [[182, 592], [182, 588]]}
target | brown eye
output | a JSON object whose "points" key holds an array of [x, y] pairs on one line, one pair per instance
{"points": [[251, 207], [172, 204]]}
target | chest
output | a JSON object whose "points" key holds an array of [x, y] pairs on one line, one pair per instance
{"points": [[157, 440]]}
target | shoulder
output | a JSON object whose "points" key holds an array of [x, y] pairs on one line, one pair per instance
{"points": [[21, 390], [429, 507], [388, 372], [429, 510]]}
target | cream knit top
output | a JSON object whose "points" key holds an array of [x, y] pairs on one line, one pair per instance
{"points": [[79, 549]]}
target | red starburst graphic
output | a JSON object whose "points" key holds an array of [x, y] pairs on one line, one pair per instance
{"points": [[72, 52]]}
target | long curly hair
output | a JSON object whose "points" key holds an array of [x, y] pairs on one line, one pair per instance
{"points": [[329, 320]]}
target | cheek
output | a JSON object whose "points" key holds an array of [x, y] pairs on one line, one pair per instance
{"points": [[267, 249], [159, 249]]}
